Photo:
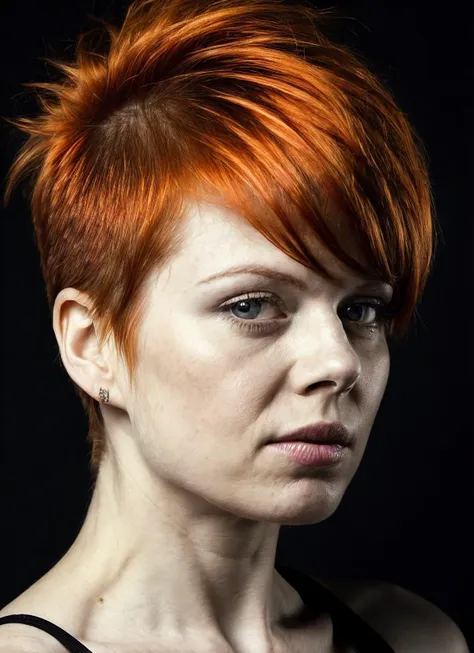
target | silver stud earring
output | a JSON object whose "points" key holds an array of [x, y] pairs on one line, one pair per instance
{"points": [[103, 395]]}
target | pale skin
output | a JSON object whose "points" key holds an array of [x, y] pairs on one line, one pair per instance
{"points": [[177, 551]]}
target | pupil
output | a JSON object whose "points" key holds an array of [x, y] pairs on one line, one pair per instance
{"points": [[358, 308], [245, 304]]}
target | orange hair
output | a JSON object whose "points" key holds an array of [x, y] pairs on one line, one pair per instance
{"points": [[246, 100]]}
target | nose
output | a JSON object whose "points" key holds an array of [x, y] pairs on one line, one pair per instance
{"points": [[325, 359]]}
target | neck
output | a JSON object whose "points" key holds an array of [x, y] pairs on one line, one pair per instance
{"points": [[154, 559]]}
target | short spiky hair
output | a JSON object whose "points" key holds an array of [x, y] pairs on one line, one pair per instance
{"points": [[246, 100]]}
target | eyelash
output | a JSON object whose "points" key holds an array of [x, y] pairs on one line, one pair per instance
{"points": [[384, 315]]}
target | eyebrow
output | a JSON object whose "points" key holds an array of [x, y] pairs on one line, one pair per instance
{"points": [[263, 271]]}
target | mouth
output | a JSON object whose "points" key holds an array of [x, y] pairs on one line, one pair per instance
{"points": [[311, 454], [322, 433]]}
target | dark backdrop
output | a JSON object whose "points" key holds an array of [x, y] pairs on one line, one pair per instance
{"points": [[407, 514]]}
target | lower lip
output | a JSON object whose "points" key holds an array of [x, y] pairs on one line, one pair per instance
{"points": [[312, 455]]}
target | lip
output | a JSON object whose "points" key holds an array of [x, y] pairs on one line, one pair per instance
{"points": [[310, 454], [321, 433]]}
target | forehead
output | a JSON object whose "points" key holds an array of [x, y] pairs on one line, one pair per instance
{"points": [[216, 238]]}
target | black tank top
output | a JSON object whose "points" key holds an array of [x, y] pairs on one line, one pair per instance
{"points": [[349, 628]]}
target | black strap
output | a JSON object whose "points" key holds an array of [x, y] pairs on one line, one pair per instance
{"points": [[347, 624], [64, 638]]}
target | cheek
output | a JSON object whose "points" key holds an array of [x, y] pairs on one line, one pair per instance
{"points": [[382, 370], [191, 386], [372, 387]]}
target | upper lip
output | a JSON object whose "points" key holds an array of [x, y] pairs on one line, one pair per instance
{"points": [[327, 432]]}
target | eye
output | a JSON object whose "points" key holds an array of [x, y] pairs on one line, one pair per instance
{"points": [[250, 307], [371, 314]]}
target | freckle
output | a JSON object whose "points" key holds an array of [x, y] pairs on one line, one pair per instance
{"points": [[101, 600]]}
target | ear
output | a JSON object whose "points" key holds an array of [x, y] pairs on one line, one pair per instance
{"points": [[90, 365]]}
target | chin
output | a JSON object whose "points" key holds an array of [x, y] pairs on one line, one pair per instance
{"points": [[306, 515], [310, 507]]}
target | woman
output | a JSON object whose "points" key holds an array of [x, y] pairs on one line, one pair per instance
{"points": [[233, 217]]}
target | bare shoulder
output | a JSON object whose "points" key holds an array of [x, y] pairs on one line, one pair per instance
{"points": [[21, 643], [20, 638], [15, 638], [408, 622]]}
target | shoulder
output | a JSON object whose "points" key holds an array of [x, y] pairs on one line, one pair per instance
{"points": [[17, 638], [408, 622], [20, 638], [22, 644]]}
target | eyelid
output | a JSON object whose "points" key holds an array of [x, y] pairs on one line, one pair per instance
{"points": [[372, 299], [254, 294], [376, 300]]}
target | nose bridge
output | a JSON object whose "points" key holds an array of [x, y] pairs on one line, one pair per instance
{"points": [[326, 352]]}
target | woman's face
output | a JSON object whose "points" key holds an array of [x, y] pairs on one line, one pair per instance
{"points": [[212, 389]]}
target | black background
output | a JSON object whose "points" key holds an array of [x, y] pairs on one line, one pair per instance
{"points": [[407, 515]]}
